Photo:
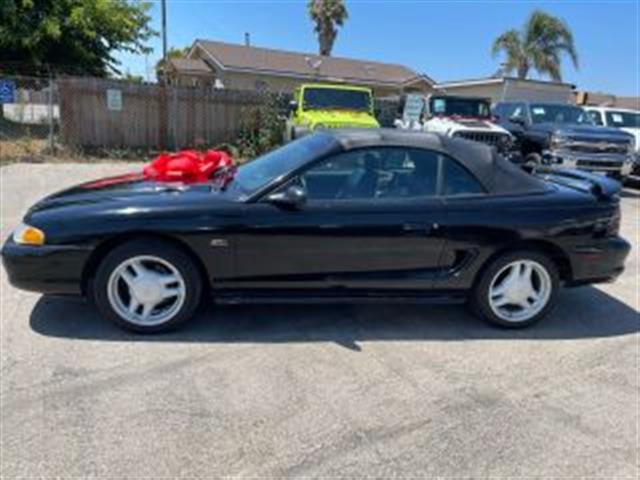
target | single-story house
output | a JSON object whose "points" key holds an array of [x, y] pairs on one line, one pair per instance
{"points": [[245, 67], [599, 99], [510, 88]]}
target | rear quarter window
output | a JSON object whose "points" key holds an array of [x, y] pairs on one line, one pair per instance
{"points": [[457, 180]]}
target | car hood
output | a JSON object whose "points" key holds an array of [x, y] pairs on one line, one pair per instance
{"points": [[124, 191], [582, 131], [339, 118], [451, 125]]}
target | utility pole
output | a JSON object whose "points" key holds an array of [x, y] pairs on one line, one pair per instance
{"points": [[164, 111], [164, 31]]}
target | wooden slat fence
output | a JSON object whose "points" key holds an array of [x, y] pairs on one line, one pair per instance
{"points": [[151, 116]]}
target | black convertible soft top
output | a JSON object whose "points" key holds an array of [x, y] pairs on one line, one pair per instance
{"points": [[498, 176]]}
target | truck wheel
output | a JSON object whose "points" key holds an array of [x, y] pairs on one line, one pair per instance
{"points": [[147, 286]]}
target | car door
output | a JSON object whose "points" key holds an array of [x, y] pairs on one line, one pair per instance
{"points": [[361, 226]]}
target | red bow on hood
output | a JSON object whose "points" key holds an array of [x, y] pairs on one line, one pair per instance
{"points": [[188, 166]]}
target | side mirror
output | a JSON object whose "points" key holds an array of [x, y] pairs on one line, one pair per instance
{"points": [[293, 106], [293, 197], [517, 121]]}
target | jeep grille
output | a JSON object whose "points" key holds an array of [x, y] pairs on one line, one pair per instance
{"points": [[490, 138]]}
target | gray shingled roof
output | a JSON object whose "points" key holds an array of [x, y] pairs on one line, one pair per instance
{"points": [[280, 62]]}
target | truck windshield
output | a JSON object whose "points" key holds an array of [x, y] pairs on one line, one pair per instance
{"points": [[552, 113], [623, 119], [465, 107], [336, 99]]}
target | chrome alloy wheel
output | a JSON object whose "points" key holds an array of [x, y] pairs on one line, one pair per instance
{"points": [[520, 291], [146, 290]]}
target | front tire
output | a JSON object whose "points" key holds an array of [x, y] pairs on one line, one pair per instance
{"points": [[516, 290], [147, 286]]}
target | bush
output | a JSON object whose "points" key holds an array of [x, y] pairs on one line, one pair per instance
{"points": [[262, 127]]}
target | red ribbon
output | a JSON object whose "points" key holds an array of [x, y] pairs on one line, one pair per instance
{"points": [[187, 166]]}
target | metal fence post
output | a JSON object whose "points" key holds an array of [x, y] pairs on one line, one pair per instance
{"points": [[50, 114], [175, 118]]}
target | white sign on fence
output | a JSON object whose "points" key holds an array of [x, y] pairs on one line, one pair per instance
{"points": [[114, 99], [413, 108]]}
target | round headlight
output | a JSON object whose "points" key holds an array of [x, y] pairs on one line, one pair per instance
{"points": [[28, 235]]}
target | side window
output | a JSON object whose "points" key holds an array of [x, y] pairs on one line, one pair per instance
{"points": [[348, 175], [373, 173], [457, 180], [595, 116], [499, 110], [518, 111]]}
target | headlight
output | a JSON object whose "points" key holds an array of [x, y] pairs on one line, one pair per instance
{"points": [[505, 142], [28, 235], [557, 141], [631, 148]]}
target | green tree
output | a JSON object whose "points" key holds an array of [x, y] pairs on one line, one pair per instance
{"points": [[130, 77], [173, 52], [539, 45], [327, 16], [71, 36]]}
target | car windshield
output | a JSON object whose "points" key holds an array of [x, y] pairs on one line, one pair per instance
{"points": [[623, 119], [460, 106], [550, 113], [260, 172], [336, 99]]}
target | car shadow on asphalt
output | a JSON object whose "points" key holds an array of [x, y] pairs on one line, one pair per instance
{"points": [[585, 312]]}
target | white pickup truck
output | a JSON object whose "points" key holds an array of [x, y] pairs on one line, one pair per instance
{"points": [[463, 117], [627, 120]]}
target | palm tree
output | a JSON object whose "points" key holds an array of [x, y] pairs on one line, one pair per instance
{"points": [[538, 45], [327, 14]]}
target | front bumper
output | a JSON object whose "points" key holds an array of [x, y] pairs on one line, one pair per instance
{"points": [[48, 269], [598, 261], [617, 164]]}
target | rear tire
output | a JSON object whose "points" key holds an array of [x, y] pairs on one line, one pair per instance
{"points": [[147, 286], [516, 290]]}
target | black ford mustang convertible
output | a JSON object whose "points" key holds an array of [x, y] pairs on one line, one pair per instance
{"points": [[338, 216]]}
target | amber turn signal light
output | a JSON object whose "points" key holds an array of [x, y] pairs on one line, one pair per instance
{"points": [[28, 235]]}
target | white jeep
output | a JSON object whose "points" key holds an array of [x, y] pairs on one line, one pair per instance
{"points": [[463, 117]]}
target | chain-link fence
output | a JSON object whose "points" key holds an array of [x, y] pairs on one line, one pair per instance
{"points": [[63, 116], [29, 116]]}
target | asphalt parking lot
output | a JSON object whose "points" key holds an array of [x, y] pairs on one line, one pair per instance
{"points": [[404, 391]]}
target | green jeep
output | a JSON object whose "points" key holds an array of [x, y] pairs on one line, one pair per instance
{"points": [[317, 105]]}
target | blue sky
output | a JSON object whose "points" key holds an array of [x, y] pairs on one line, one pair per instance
{"points": [[447, 40]]}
